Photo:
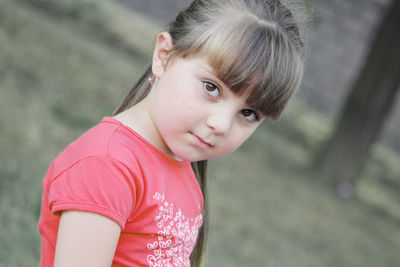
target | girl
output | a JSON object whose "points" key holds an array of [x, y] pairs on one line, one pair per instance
{"points": [[125, 193]]}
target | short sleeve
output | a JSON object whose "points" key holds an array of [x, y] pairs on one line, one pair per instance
{"points": [[96, 184]]}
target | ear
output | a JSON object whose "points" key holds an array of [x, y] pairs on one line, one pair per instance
{"points": [[161, 53]]}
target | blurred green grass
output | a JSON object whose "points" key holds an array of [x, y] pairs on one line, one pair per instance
{"points": [[65, 65]]}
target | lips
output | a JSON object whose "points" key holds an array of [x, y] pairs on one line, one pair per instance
{"points": [[201, 142]]}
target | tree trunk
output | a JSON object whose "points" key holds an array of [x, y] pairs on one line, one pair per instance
{"points": [[368, 104]]}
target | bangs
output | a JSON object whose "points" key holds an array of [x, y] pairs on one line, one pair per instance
{"points": [[252, 58]]}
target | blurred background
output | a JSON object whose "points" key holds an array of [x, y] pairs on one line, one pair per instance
{"points": [[318, 188]]}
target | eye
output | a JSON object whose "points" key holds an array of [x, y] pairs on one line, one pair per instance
{"points": [[211, 89], [250, 115]]}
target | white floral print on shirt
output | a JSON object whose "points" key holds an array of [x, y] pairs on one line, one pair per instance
{"points": [[177, 236]]}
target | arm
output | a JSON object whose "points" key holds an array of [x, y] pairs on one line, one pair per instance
{"points": [[86, 239]]}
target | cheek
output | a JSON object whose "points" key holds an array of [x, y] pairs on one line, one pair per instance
{"points": [[233, 142], [180, 110], [174, 114], [177, 112]]}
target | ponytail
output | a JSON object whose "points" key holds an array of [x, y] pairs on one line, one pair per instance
{"points": [[137, 93], [198, 256]]}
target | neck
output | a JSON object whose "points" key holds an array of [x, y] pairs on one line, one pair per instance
{"points": [[139, 118]]}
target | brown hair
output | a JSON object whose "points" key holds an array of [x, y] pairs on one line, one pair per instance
{"points": [[251, 45]]}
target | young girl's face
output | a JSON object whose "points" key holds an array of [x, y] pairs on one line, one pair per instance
{"points": [[196, 114]]}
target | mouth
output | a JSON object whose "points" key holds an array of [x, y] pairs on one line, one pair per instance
{"points": [[201, 141]]}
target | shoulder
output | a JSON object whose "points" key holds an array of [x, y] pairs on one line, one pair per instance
{"points": [[107, 143]]}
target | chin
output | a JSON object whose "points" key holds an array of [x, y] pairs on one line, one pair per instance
{"points": [[192, 157]]}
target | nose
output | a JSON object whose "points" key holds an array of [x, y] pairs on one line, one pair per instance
{"points": [[220, 122]]}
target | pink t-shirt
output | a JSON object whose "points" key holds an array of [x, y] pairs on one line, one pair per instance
{"points": [[112, 171]]}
